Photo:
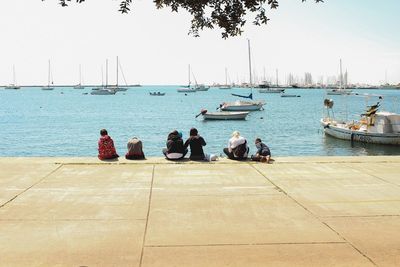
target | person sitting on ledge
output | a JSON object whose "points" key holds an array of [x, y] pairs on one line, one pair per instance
{"points": [[263, 153], [175, 149], [135, 149], [106, 146], [196, 143], [237, 147]]}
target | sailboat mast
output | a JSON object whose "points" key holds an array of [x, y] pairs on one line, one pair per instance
{"points": [[14, 79], [48, 75], [117, 71], [80, 75], [277, 82], [226, 76], [106, 72], [251, 81], [341, 74], [189, 74], [102, 76]]}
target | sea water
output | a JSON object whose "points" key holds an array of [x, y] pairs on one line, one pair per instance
{"points": [[66, 121]]}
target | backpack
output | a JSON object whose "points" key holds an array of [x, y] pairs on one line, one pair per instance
{"points": [[240, 150]]}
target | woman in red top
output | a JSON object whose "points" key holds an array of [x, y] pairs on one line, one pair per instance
{"points": [[106, 146]]}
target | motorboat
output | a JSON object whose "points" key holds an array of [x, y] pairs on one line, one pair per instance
{"points": [[271, 90], [289, 95], [201, 87], [186, 90], [157, 94], [103, 91], [223, 115], [373, 127], [240, 105]]}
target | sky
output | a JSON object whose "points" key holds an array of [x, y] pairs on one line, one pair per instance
{"points": [[154, 46]]}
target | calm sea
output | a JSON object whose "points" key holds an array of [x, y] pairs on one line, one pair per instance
{"points": [[65, 122]]}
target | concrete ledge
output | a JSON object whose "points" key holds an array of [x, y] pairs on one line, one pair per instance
{"points": [[308, 211]]}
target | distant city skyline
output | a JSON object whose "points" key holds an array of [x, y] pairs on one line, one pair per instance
{"points": [[305, 40]]}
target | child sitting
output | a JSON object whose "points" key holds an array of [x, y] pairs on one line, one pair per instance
{"points": [[263, 153]]}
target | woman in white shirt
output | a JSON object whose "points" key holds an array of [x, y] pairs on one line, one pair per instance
{"points": [[237, 147]]}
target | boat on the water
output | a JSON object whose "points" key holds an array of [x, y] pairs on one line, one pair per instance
{"points": [[103, 91], [240, 105], [271, 90], [187, 88], [373, 127], [157, 94], [341, 90], [201, 87], [79, 85], [226, 86], [49, 77], [13, 85], [223, 115], [289, 95]]}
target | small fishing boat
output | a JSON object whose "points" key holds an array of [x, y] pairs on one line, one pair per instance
{"points": [[289, 95], [186, 90], [374, 127], [240, 105], [201, 87], [103, 91], [271, 90], [157, 94], [223, 115]]}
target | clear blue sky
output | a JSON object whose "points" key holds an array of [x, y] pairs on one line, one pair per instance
{"points": [[155, 49]]}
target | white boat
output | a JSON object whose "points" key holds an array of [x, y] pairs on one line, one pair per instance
{"points": [[226, 85], [103, 91], [201, 87], [271, 90], [187, 88], [374, 127], [240, 105], [13, 85], [341, 90], [79, 85], [225, 115], [49, 77]]}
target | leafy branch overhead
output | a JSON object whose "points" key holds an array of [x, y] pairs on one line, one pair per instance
{"points": [[228, 15]]}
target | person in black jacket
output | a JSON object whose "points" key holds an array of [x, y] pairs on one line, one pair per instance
{"points": [[196, 143], [175, 148], [263, 153]]}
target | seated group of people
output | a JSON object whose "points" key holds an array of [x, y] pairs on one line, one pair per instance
{"points": [[177, 149]]}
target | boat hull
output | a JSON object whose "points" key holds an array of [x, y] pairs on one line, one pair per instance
{"points": [[242, 107], [225, 116], [360, 136], [271, 91]]}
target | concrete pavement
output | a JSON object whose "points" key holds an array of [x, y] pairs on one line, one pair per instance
{"points": [[314, 211]]}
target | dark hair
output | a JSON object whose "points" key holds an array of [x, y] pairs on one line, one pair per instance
{"points": [[258, 140], [103, 132], [193, 132]]}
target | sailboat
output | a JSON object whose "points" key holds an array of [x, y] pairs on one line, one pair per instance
{"points": [[104, 89], [240, 105], [199, 87], [226, 85], [187, 88], [79, 85], [14, 84], [117, 88], [49, 76], [341, 90]]}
